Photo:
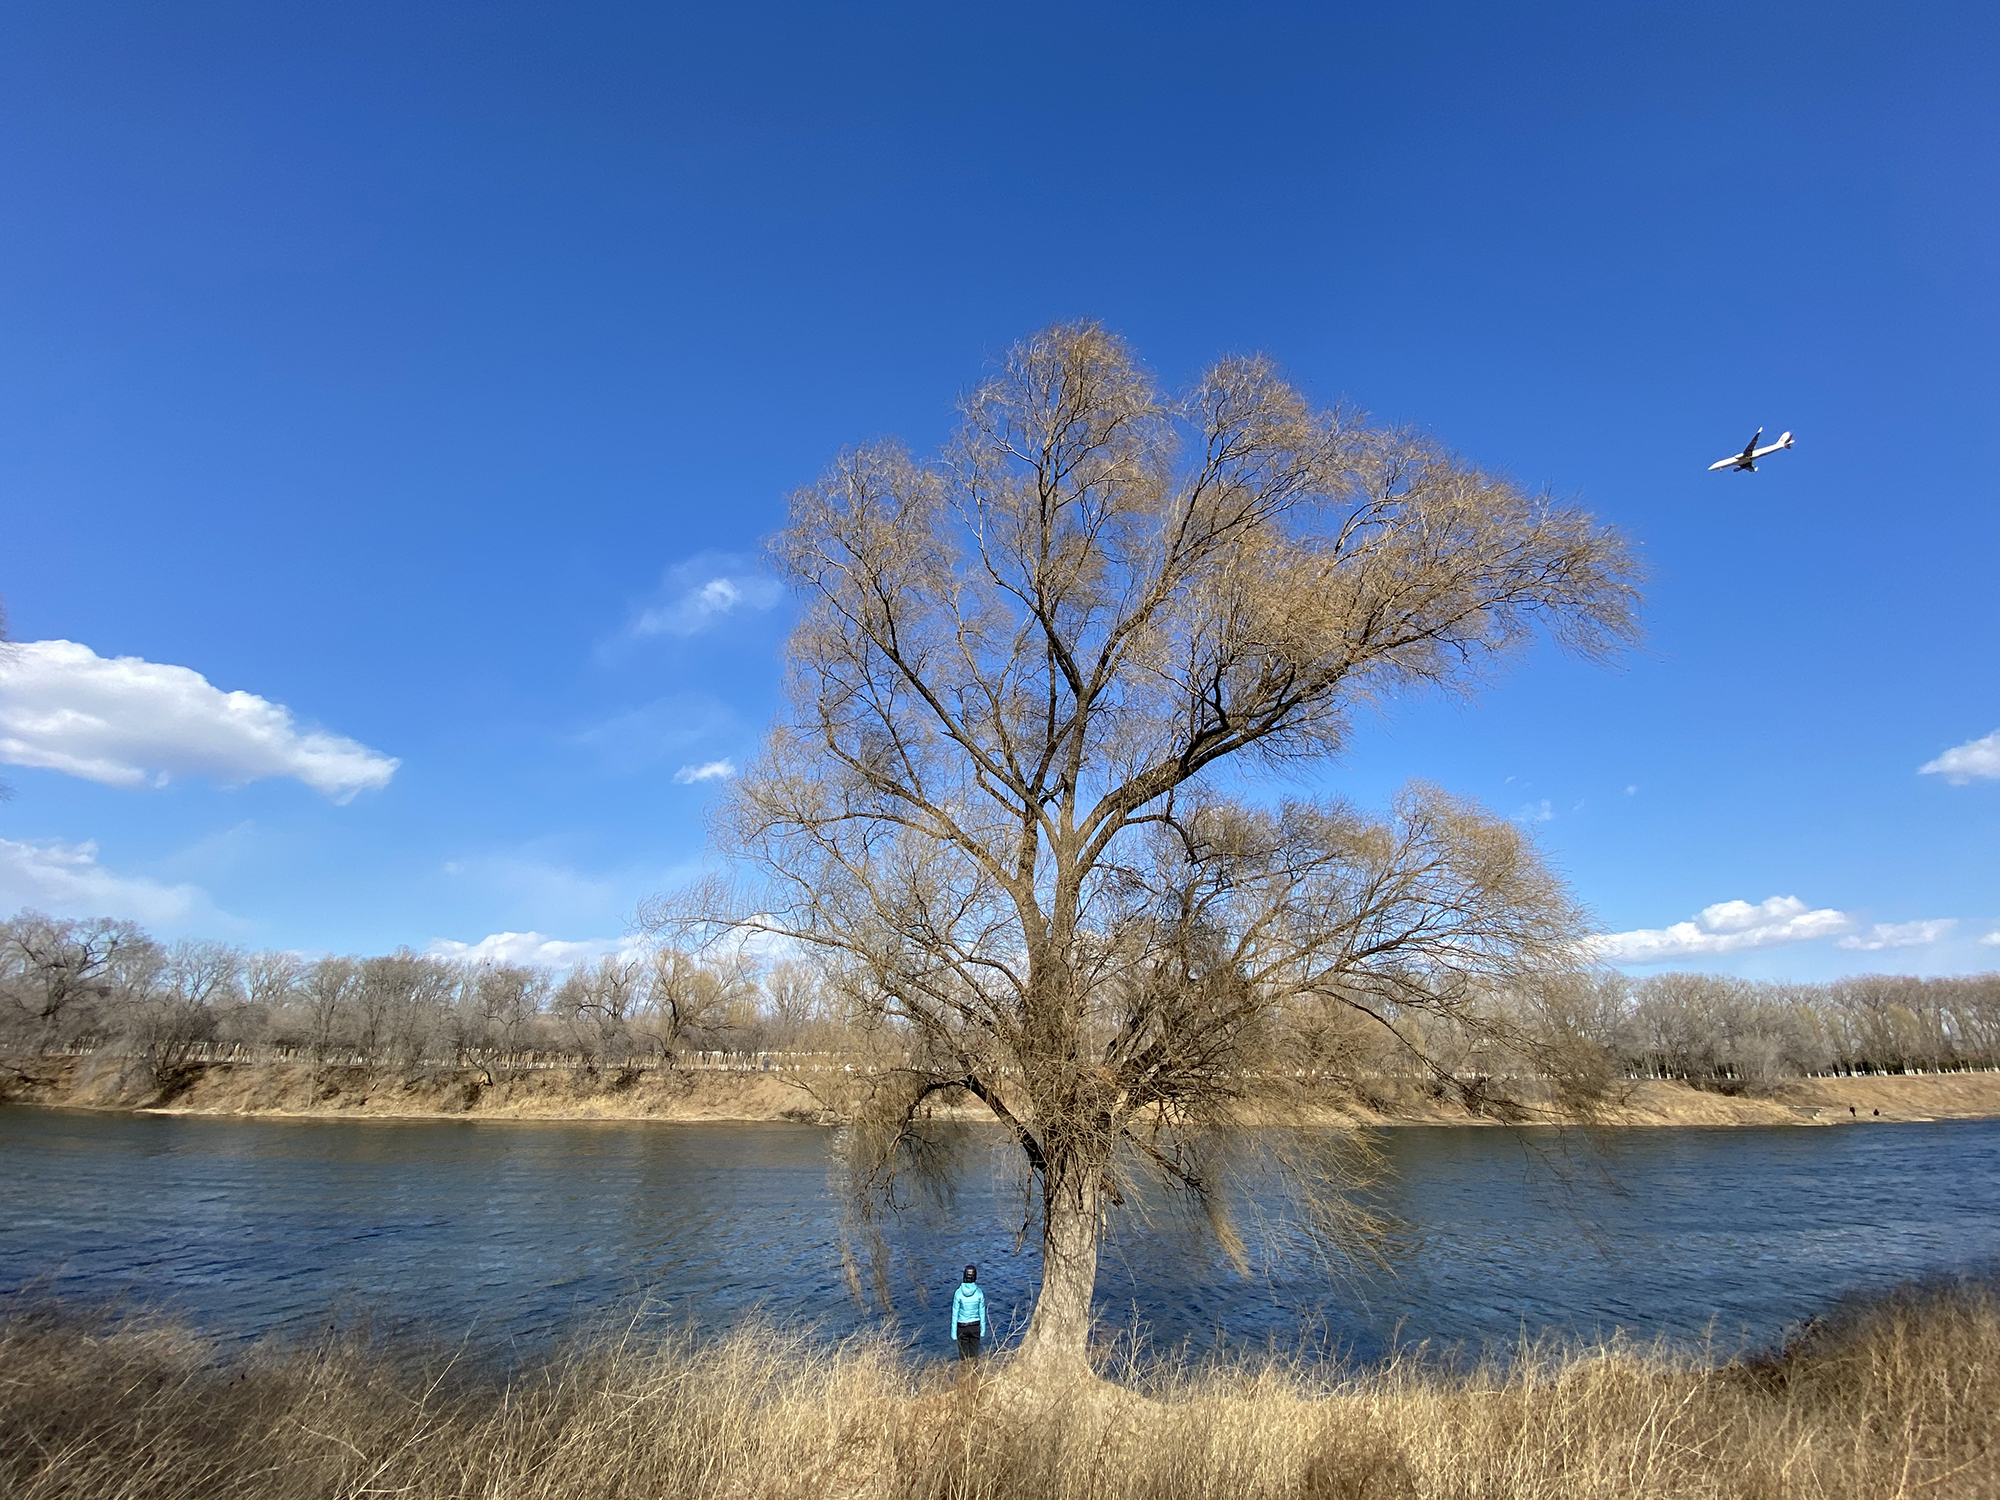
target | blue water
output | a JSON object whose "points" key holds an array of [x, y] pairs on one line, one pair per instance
{"points": [[505, 1234]]}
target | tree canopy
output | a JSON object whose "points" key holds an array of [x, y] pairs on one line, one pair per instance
{"points": [[995, 800]]}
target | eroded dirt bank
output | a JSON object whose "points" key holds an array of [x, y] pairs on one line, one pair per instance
{"points": [[355, 1093], [698, 1094]]}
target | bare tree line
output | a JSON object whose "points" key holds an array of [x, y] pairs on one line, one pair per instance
{"points": [[69, 986], [1728, 1033], [105, 985]]}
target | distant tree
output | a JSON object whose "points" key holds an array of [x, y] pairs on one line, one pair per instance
{"points": [[60, 977], [328, 996], [699, 1003], [402, 1005], [1974, 1006], [266, 1008], [175, 1010], [600, 1006], [794, 996], [397, 1007], [1892, 1020], [996, 791], [498, 1008], [272, 979]]}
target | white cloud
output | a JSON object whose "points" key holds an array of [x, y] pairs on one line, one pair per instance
{"points": [[67, 880], [1897, 935], [1991, 940], [533, 949], [638, 739], [1532, 813], [129, 722], [695, 594], [1726, 927], [1974, 760], [708, 770]]}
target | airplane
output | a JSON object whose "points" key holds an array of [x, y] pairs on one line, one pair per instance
{"points": [[1747, 459]]}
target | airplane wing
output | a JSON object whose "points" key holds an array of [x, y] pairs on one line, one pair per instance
{"points": [[1750, 448]]}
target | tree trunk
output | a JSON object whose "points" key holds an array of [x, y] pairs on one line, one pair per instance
{"points": [[1072, 1221]]}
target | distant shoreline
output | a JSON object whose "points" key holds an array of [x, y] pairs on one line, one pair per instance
{"points": [[702, 1095]]}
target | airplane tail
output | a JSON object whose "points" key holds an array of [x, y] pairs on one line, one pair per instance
{"points": [[1785, 440]]}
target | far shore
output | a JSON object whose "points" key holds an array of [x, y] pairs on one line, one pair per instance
{"points": [[714, 1095]]}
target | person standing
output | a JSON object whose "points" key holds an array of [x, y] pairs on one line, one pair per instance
{"points": [[968, 1314]]}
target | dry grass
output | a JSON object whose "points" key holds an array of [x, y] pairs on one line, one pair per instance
{"points": [[297, 1089], [685, 1095], [1897, 1398]]}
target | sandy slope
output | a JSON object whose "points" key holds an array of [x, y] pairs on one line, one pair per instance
{"points": [[664, 1094], [349, 1093]]}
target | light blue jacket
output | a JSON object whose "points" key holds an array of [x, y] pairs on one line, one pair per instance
{"points": [[968, 1306]]}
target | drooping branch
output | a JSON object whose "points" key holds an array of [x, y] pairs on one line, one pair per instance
{"points": [[1017, 672]]}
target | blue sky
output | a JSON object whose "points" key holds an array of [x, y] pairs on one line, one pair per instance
{"points": [[419, 370]]}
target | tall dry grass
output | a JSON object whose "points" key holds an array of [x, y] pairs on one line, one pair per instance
{"points": [[1900, 1398]]}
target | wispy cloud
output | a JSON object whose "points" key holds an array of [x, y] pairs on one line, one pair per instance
{"points": [[706, 589], [537, 887], [533, 881], [638, 739], [1531, 813], [1897, 935], [125, 721], [708, 770], [1726, 927], [1975, 760], [533, 949], [67, 880]]}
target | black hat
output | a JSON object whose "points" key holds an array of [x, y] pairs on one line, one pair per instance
{"points": [[972, 1273]]}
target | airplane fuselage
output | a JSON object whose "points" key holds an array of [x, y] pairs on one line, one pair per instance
{"points": [[1747, 459]]}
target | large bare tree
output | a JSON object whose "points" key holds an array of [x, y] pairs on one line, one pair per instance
{"points": [[1005, 799]]}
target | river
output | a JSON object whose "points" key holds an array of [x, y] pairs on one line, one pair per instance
{"points": [[506, 1234]]}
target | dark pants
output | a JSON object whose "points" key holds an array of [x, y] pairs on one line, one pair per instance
{"points": [[968, 1341]]}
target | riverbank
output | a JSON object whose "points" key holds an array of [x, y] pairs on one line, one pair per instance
{"points": [[721, 1095], [1898, 1397], [297, 1089]]}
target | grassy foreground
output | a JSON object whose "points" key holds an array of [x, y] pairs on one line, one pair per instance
{"points": [[1899, 1397]]}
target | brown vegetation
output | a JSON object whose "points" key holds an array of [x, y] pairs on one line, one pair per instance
{"points": [[767, 1090], [99, 1013], [1897, 1398], [739, 1093]]}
